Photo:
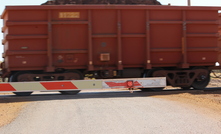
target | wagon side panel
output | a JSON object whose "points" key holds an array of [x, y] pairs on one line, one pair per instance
{"points": [[201, 37], [25, 39], [69, 38], [219, 59], [109, 37]]}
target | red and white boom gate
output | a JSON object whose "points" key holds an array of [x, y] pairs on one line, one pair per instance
{"points": [[154, 82]]}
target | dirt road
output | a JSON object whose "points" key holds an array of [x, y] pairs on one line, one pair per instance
{"points": [[117, 112]]}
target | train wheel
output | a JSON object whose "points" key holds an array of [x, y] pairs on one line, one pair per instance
{"points": [[21, 77], [150, 73], [202, 80], [76, 75], [201, 84]]}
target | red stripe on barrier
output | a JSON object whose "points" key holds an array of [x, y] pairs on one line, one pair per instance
{"points": [[122, 84], [115, 84], [137, 84], [58, 85], [6, 87]]}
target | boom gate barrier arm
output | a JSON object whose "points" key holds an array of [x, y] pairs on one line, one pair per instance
{"points": [[130, 83]]}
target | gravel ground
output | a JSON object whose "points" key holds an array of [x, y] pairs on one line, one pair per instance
{"points": [[206, 103], [114, 112]]}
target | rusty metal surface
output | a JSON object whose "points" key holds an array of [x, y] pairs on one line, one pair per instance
{"points": [[220, 25], [219, 41], [75, 36]]}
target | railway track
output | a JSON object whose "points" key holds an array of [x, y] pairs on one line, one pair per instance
{"points": [[106, 94]]}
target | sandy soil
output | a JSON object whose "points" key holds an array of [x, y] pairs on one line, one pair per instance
{"points": [[209, 104], [9, 111], [210, 98]]}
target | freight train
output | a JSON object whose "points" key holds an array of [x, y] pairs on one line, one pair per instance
{"points": [[69, 42]]}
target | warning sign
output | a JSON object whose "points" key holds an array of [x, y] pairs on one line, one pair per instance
{"points": [[69, 14]]}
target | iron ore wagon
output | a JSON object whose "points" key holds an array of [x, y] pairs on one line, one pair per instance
{"points": [[67, 42]]}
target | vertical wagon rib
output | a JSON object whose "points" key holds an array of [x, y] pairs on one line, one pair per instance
{"points": [[49, 67]]}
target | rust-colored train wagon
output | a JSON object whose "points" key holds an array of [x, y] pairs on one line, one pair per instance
{"points": [[220, 36], [64, 42]]}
